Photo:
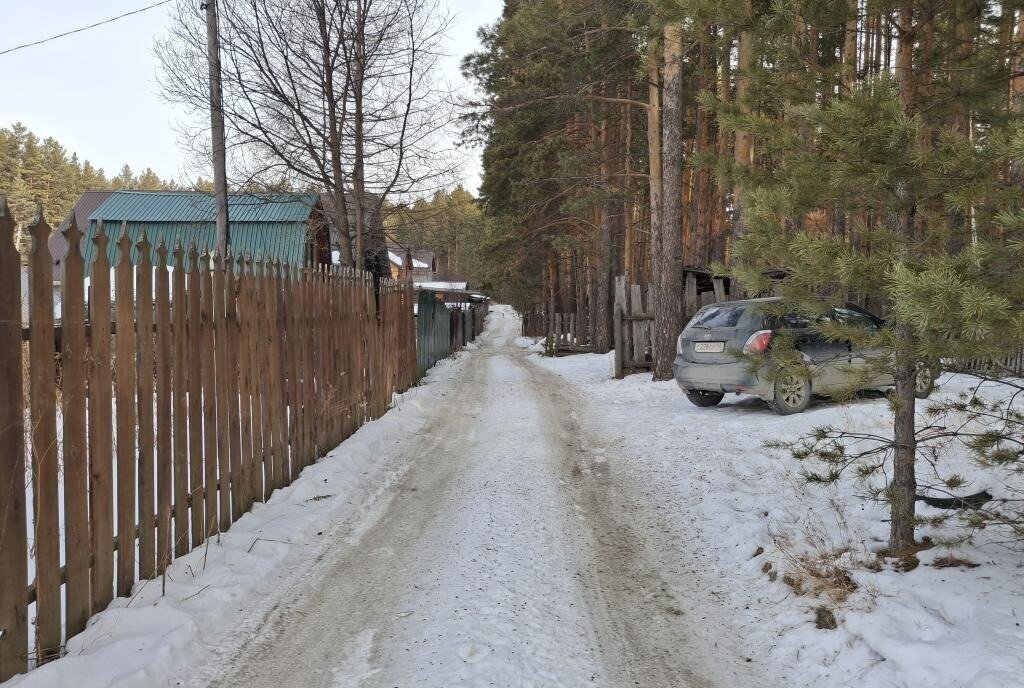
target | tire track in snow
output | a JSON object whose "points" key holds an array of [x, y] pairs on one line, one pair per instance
{"points": [[467, 576], [645, 637], [513, 552]]}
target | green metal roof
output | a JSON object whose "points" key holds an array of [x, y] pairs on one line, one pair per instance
{"points": [[267, 226], [192, 206]]}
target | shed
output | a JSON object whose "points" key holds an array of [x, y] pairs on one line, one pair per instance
{"points": [[86, 204], [278, 226], [423, 263]]}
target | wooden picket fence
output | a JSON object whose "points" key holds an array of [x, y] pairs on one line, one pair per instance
{"points": [[632, 325], [1010, 365], [633, 315], [535, 322], [176, 399]]}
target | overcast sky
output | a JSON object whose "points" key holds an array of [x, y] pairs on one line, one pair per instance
{"points": [[96, 91]]}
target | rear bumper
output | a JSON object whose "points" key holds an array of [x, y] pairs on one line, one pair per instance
{"points": [[720, 377]]}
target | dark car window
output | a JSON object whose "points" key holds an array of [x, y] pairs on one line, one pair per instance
{"points": [[852, 317], [720, 315], [791, 321], [797, 321]]}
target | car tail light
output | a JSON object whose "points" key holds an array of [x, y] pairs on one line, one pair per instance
{"points": [[758, 342]]}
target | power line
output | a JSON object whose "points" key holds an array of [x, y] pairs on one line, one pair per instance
{"points": [[84, 28]]}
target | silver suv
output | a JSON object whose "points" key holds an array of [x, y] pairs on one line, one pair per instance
{"points": [[714, 355]]}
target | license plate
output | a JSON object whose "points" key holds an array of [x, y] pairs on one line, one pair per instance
{"points": [[709, 347]]}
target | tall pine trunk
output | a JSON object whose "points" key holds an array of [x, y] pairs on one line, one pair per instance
{"points": [[1017, 95], [744, 148], [903, 488], [667, 249], [658, 346]]}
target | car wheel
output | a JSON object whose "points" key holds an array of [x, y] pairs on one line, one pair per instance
{"points": [[792, 394], [924, 381], [704, 399]]}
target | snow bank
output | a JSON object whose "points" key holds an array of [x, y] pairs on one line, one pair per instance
{"points": [[530, 343], [728, 496], [233, 581]]}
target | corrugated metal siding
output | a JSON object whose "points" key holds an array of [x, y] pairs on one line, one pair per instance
{"points": [[190, 206], [283, 241]]}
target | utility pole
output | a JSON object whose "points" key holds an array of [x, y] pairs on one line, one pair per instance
{"points": [[220, 175]]}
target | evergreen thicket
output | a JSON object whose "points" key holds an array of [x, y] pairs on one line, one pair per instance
{"points": [[34, 170], [465, 243], [870, 149]]}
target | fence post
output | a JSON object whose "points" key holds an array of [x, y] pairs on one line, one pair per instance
{"points": [[165, 423], [626, 334], [224, 368], [691, 296], [147, 485], [180, 403], [101, 491], [232, 374], [195, 397], [13, 540], [76, 464], [244, 475], [640, 327], [126, 409], [45, 471], [275, 333], [211, 431], [719, 285], [618, 342], [290, 294]]}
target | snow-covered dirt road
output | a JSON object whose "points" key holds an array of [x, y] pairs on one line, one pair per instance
{"points": [[509, 554], [520, 521]]}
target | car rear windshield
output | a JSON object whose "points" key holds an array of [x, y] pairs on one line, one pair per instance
{"points": [[721, 315]]}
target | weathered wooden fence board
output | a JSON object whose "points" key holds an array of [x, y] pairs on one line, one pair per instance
{"points": [[209, 401], [13, 538], [45, 469], [633, 320], [231, 379], [194, 339], [146, 381], [165, 422], [101, 496], [124, 286], [222, 358], [180, 403], [75, 451]]}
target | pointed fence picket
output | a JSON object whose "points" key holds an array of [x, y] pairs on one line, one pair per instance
{"points": [[188, 387]]}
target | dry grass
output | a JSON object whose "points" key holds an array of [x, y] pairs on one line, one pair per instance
{"points": [[951, 561], [817, 562], [820, 577], [906, 561]]}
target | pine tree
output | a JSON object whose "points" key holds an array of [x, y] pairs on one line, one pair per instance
{"points": [[34, 171], [124, 180], [931, 230], [563, 133]]}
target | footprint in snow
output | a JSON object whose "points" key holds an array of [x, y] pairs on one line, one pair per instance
{"points": [[472, 652]]}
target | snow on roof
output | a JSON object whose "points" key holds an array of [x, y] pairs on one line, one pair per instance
{"points": [[441, 286], [400, 261]]}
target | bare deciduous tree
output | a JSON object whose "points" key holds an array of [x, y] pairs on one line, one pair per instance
{"points": [[332, 95]]}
